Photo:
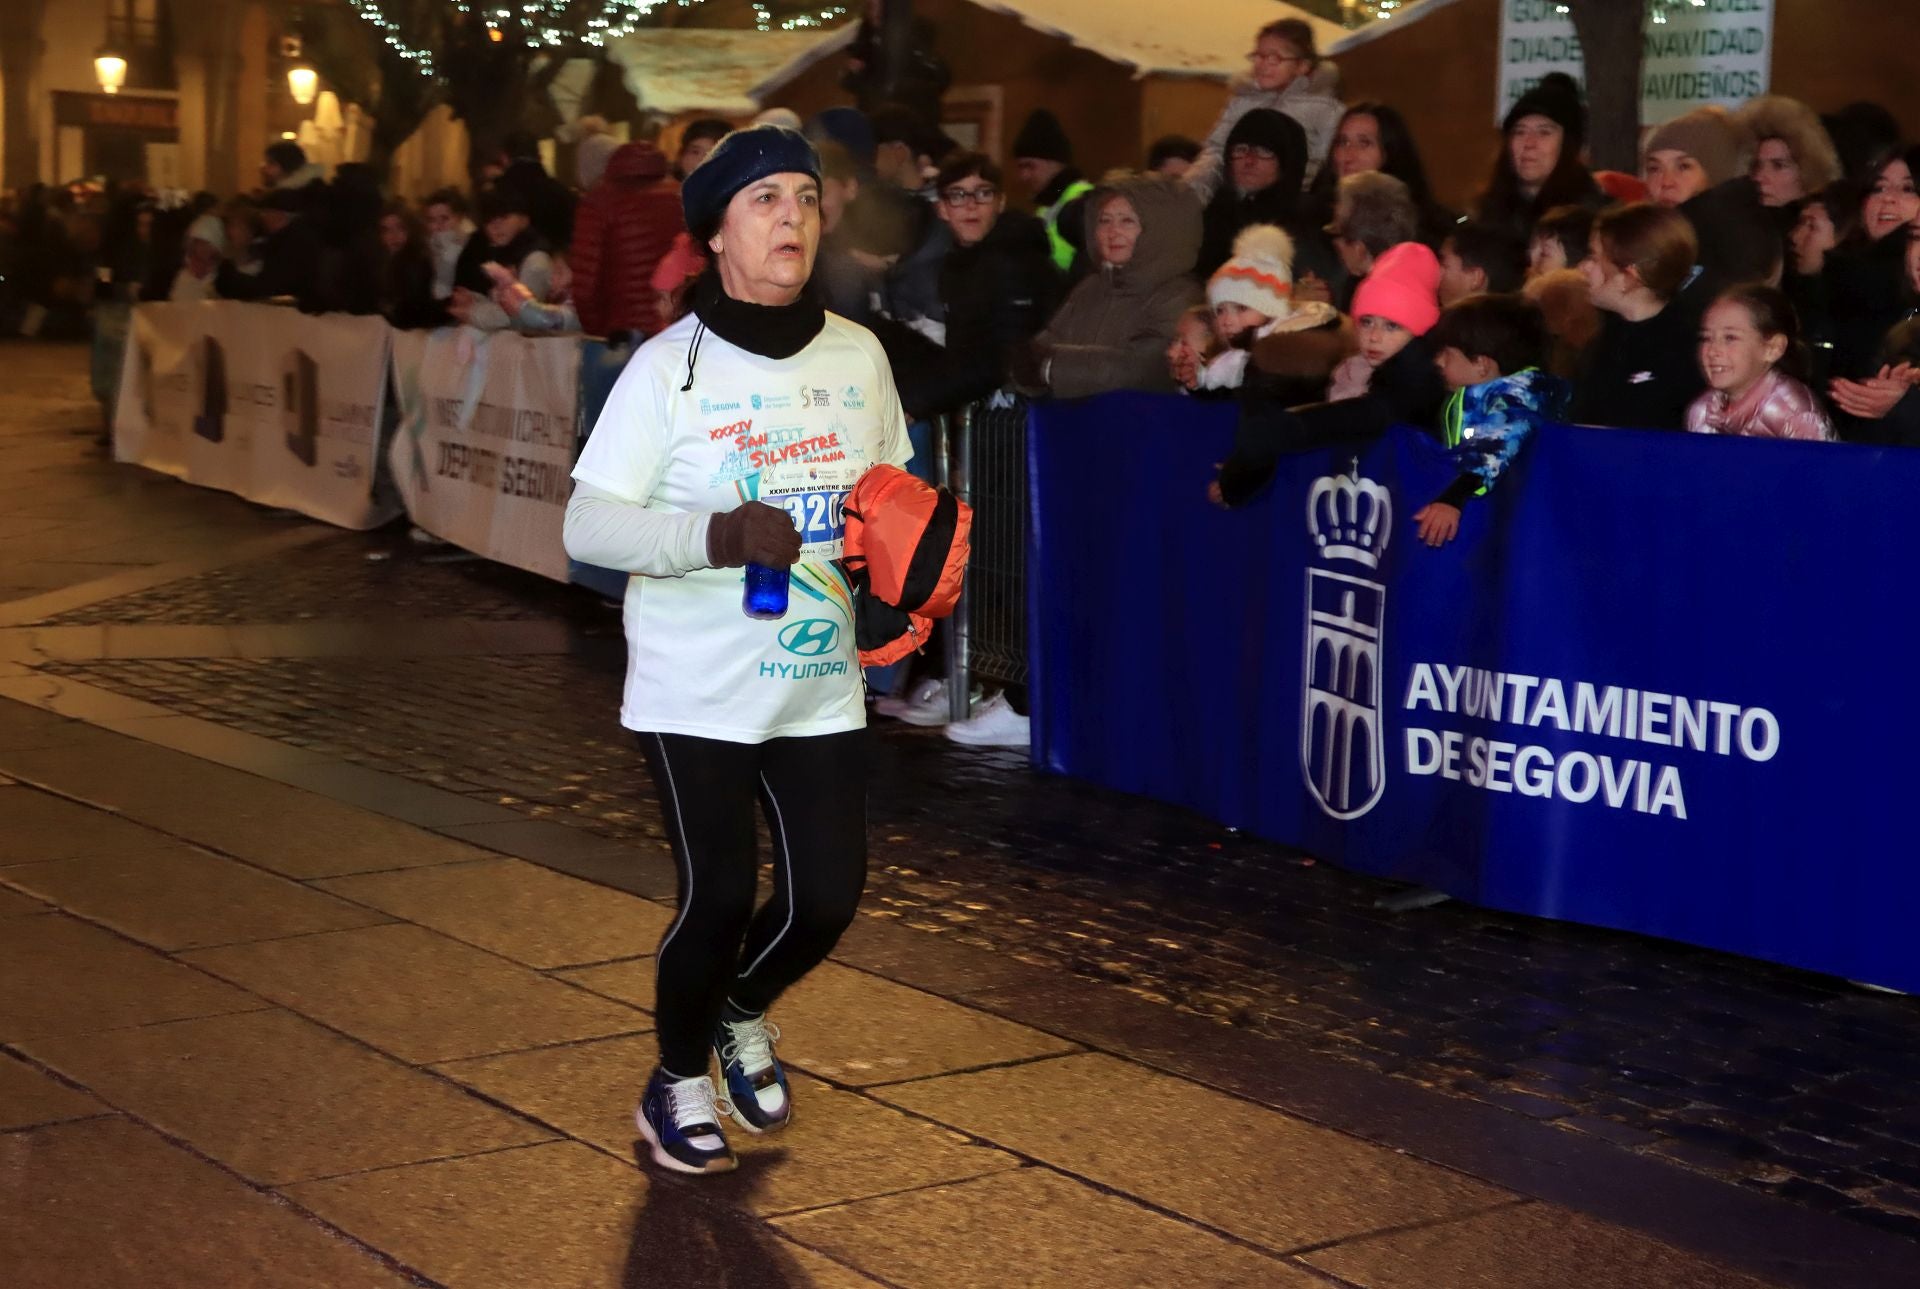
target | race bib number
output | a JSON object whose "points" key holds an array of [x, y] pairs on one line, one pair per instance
{"points": [[819, 515]]}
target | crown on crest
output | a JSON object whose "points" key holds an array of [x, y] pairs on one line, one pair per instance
{"points": [[1350, 517]]}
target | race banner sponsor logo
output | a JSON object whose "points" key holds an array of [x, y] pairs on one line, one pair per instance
{"points": [[483, 455], [280, 407]]}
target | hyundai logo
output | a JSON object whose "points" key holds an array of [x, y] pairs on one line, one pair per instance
{"points": [[809, 637]]}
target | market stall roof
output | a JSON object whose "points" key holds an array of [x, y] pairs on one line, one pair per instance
{"points": [[1154, 37], [722, 71]]}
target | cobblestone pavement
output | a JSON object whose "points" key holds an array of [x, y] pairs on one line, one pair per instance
{"points": [[1789, 1083]]}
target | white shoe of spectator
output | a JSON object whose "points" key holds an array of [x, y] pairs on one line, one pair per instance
{"points": [[929, 705], [995, 724], [920, 696]]}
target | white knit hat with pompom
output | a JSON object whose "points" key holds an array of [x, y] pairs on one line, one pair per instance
{"points": [[1260, 274]]}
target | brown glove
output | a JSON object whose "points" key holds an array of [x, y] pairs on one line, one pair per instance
{"points": [[755, 533]]}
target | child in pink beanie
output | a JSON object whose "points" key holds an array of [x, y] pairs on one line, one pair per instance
{"points": [[1396, 305], [1397, 300]]}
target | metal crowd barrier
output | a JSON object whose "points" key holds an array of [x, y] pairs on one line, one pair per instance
{"points": [[986, 461]]}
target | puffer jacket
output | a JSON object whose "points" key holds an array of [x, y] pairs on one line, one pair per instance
{"points": [[624, 226], [1313, 100], [1114, 329], [997, 293]]}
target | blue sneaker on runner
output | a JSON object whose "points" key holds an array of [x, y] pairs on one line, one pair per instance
{"points": [[681, 1121], [757, 1092]]}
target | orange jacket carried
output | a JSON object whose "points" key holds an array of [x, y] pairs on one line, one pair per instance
{"points": [[906, 554]]}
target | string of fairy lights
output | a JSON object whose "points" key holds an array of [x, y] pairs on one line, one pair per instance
{"points": [[763, 19], [550, 24], [371, 13]]}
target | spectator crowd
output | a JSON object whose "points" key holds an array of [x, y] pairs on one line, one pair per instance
{"points": [[1759, 275]]}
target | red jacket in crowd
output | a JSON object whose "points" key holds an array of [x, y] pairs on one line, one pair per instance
{"points": [[625, 223]]}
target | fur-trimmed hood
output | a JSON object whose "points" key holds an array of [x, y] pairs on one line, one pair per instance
{"points": [[1310, 349], [1169, 230]]}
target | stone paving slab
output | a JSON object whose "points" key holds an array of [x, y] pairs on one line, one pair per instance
{"points": [[279, 1099], [28, 1098], [630, 982], [1261, 1175], [560, 1216], [104, 1202], [516, 909], [292, 832], [1527, 1246], [13, 904], [40, 826], [59, 976], [177, 897], [857, 1029], [416, 994], [646, 871], [416, 803], [24, 725], [1031, 1227], [839, 1147], [217, 743]]}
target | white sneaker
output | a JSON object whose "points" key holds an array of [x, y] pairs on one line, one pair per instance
{"points": [[995, 724], [928, 693], [934, 710]]}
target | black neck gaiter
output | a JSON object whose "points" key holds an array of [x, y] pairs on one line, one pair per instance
{"points": [[770, 330]]}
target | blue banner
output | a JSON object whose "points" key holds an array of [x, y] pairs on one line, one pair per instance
{"points": [[1627, 694]]}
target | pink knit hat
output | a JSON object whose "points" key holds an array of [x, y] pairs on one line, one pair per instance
{"points": [[1402, 287]]}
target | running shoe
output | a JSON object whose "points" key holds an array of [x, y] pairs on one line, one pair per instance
{"points": [[757, 1093], [680, 1119]]}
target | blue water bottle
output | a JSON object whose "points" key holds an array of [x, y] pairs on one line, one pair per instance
{"points": [[766, 596]]}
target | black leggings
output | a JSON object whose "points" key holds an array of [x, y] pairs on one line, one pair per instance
{"points": [[813, 794]]}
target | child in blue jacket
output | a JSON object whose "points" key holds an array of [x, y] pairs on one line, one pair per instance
{"points": [[1488, 349]]}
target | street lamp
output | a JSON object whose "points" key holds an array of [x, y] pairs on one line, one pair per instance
{"points": [[304, 83], [110, 69]]}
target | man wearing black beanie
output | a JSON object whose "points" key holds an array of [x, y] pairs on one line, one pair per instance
{"points": [[1043, 158]]}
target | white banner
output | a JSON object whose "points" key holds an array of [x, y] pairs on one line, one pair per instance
{"points": [[1697, 52], [280, 407], [483, 454]]}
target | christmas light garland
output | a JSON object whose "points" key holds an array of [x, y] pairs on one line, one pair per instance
{"points": [[549, 24], [371, 13]]}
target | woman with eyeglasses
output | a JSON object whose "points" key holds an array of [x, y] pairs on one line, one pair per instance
{"points": [[1266, 153], [1288, 75]]}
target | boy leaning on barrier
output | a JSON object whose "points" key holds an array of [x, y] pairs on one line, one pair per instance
{"points": [[1488, 349]]}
